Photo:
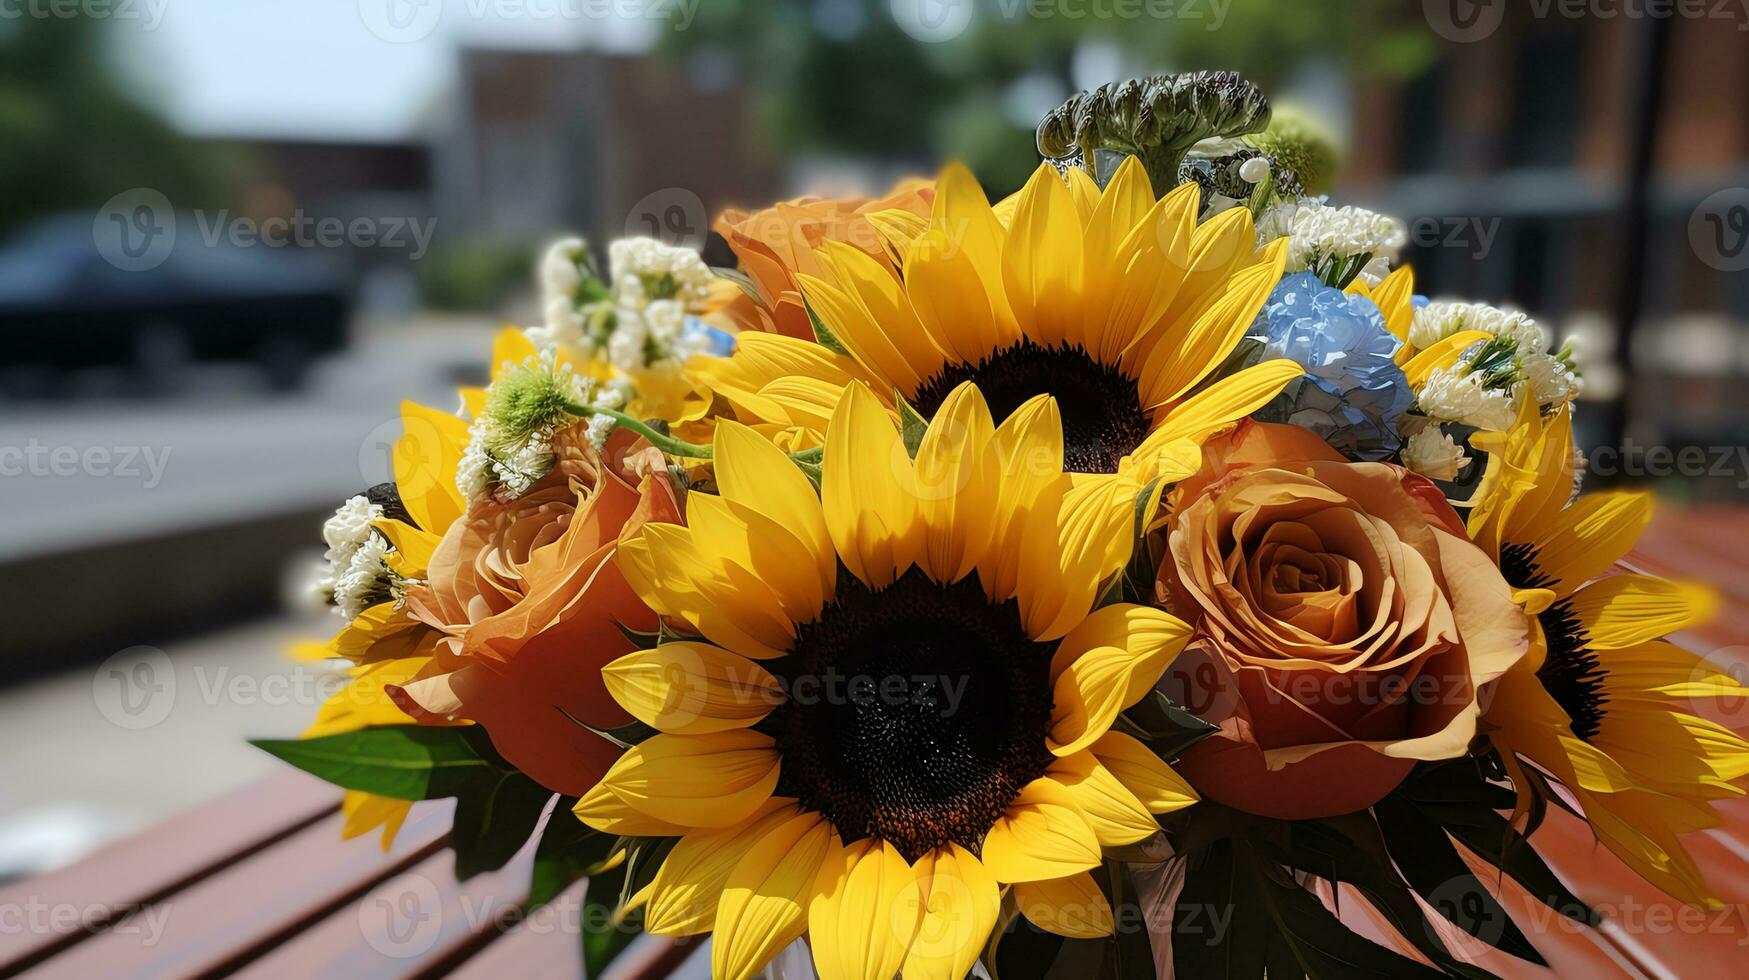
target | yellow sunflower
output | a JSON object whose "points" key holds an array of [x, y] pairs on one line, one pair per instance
{"points": [[1117, 304], [896, 712], [1601, 702]]}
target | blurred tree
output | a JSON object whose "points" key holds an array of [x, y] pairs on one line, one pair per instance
{"points": [[842, 76], [71, 138]]}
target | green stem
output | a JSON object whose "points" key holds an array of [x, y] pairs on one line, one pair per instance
{"points": [[666, 443]]}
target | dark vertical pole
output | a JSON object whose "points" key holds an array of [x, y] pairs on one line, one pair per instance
{"points": [[1633, 217]]}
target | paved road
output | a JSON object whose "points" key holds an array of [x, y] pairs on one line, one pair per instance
{"points": [[80, 473]]}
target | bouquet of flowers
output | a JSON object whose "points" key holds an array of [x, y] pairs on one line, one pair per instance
{"points": [[1095, 580]]}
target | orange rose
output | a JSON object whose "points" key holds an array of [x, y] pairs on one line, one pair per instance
{"points": [[1345, 624], [527, 595], [776, 243]]}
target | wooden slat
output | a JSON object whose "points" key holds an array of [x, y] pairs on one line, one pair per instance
{"points": [[252, 900], [546, 945], [66, 907], [403, 925]]}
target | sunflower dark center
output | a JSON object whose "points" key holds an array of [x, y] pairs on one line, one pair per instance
{"points": [[1103, 419], [916, 713], [1571, 673], [1519, 566]]}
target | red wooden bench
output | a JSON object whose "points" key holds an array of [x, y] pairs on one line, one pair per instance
{"points": [[260, 883]]}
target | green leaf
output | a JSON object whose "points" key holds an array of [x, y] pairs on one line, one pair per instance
{"points": [[911, 424], [1433, 867], [494, 820], [1351, 849], [741, 279], [1248, 352], [1129, 951], [497, 807], [823, 335], [1165, 726], [604, 933], [403, 762], [1458, 781], [1456, 797], [624, 737], [1316, 940], [640, 640], [1138, 575], [1026, 952], [644, 857], [569, 851], [1218, 929], [1494, 840]]}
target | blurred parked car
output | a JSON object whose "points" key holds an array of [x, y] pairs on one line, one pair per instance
{"points": [[64, 305]]}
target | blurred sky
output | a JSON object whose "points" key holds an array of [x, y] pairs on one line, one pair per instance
{"points": [[314, 69]]}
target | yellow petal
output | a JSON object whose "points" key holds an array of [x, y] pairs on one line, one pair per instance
{"points": [[602, 810], [364, 702], [510, 348], [1116, 815], [761, 477], [686, 688], [1590, 536], [426, 458], [724, 601], [413, 546], [1222, 403], [1143, 773], [963, 216], [1218, 248], [1078, 535], [1624, 610], [898, 228], [881, 294], [769, 551], [761, 358], [864, 912], [696, 780], [871, 512], [1106, 664], [859, 332], [1441, 355], [941, 281], [1186, 357], [961, 900], [765, 897], [366, 812], [686, 889], [1043, 835], [1028, 447], [1072, 906], [1041, 262], [956, 485]]}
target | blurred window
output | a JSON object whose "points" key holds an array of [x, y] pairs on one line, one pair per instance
{"points": [[1421, 122], [1545, 100]]}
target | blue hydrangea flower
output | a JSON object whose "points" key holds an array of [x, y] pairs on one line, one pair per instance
{"points": [[713, 340], [1353, 392]]}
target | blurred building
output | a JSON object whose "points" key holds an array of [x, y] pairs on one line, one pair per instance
{"points": [[534, 143], [1510, 159]]}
